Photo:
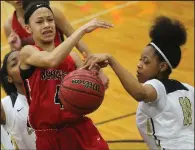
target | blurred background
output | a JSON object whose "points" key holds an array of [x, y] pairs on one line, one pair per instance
{"points": [[116, 117]]}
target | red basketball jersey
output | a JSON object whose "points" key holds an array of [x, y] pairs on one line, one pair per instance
{"points": [[25, 37], [42, 88]]}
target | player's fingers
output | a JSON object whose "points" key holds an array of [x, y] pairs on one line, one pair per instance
{"points": [[93, 62], [89, 59], [86, 64], [97, 67], [105, 23], [91, 65], [104, 26], [84, 67]]}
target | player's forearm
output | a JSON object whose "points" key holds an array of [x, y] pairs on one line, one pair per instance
{"points": [[82, 47], [131, 85], [63, 50], [68, 30]]}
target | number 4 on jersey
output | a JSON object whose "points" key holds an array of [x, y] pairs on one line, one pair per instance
{"points": [[56, 98]]}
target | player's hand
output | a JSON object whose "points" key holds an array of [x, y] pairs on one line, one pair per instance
{"points": [[104, 79], [14, 41], [94, 24], [97, 67], [100, 59]]}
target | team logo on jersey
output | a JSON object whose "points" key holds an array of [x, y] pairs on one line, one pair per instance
{"points": [[53, 75], [20, 109], [38, 5]]}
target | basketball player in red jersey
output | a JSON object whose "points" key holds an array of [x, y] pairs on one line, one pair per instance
{"points": [[43, 67], [18, 37]]}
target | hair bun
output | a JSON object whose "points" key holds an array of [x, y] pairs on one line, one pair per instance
{"points": [[168, 32]]}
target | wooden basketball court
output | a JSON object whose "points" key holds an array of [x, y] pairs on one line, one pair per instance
{"points": [[116, 117]]}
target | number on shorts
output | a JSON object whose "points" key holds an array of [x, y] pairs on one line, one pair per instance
{"points": [[56, 98], [187, 110]]}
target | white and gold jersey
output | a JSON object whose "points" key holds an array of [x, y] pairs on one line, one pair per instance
{"points": [[5, 140], [168, 123], [16, 122]]}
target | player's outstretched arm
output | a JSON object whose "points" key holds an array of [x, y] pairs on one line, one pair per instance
{"points": [[141, 93], [29, 55], [66, 28], [13, 39]]}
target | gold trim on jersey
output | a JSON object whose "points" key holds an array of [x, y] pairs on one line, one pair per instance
{"points": [[2, 147], [187, 110], [149, 127], [151, 132], [14, 143]]}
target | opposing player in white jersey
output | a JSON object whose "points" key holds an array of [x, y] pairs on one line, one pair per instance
{"points": [[165, 114], [5, 140], [15, 106]]}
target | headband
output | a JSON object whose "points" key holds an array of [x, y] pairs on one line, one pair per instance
{"points": [[30, 10], [162, 54]]}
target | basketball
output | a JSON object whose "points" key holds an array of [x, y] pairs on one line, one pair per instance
{"points": [[81, 91]]}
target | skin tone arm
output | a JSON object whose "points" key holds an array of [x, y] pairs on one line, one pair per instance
{"points": [[3, 117], [140, 93], [13, 39], [76, 59], [63, 24], [29, 56], [7, 27], [79, 64]]}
